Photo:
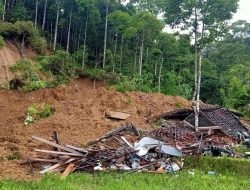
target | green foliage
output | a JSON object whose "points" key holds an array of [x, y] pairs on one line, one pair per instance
{"points": [[136, 83], [40, 111], [38, 43], [19, 13], [27, 68], [61, 62], [1, 42], [22, 30], [29, 74], [1, 8]]}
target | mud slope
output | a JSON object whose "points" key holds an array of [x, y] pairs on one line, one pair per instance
{"points": [[9, 55], [79, 117]]}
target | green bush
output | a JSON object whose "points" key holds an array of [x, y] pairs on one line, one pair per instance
{"points": [[136, 83], [1, 42], [39, 44], [40, 111], [29, 71], [35, 85], [29, 74]]}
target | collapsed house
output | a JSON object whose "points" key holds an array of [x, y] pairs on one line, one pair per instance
{"points": [[210, 119]]}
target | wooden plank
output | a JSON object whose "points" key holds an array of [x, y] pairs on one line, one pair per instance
{"points": [[77, 148], [68, 170], [56, 145], [51, 168], [126, 141], [57, 152], [117, 115], [44, 160], [209, 127]]}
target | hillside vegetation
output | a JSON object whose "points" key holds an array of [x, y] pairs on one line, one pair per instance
{"points": [[124, 44]]}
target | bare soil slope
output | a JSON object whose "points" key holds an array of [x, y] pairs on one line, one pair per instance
{"points": [[79, 117], [9, 55]]}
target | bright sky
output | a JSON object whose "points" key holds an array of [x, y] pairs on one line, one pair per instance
{"points": [[243, 12]]}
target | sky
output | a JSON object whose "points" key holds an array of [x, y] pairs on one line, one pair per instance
{"points": [[243, 12]]}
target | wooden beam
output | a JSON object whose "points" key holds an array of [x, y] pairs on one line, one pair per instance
{"points": [[209, 127], [117, 115], [56, 145], [57, 152], [70, 168], [51, 168], [77, 148]]}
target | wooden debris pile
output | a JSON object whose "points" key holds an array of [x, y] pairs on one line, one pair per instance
{"points": [[130, 149], [113, 151]]}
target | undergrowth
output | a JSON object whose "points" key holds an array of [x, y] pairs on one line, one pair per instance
{"points": [[36, 112]]}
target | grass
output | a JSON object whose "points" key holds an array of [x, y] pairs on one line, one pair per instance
{"points": [[224, 179], [116, 181]]}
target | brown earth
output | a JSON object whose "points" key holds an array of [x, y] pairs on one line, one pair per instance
{"points": [[79, 118]]}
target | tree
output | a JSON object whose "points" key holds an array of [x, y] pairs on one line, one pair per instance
{"points": [[119, 22], [56, 25], [19, 13], [105, 34], [44, 13], [36, 13], [147, 27], [3, 8], [205, 20]]}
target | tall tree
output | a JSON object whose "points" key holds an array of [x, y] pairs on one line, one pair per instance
{"points": [[36, 13], [44, 13], [69, 29], [4, 10], [56, 25], [205, 20], [105, 34]]}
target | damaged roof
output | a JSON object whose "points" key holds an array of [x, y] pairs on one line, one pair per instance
{"points": [[220, 118]]}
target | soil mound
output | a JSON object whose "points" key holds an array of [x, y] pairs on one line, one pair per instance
{"points": [[79, 117]]}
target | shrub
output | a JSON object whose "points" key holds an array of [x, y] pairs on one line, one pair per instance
{"points": [[1, 42], [36, 112], [39, 44], [27, 69]]}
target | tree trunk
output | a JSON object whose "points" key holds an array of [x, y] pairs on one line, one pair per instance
{"points": [[135, 62], [147, 55], [105, 36], [159, 76], [4, 10], [69, 30], [195, 103], [141, 55], [56, 27], [36, 13], [44, 13], [121, 55], [85, 40], [51, 35], [156, 64], [196, 57], [114, 58]]}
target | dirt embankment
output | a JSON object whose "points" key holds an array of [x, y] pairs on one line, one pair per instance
{"points": [[9, 55], [79, 117]]}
